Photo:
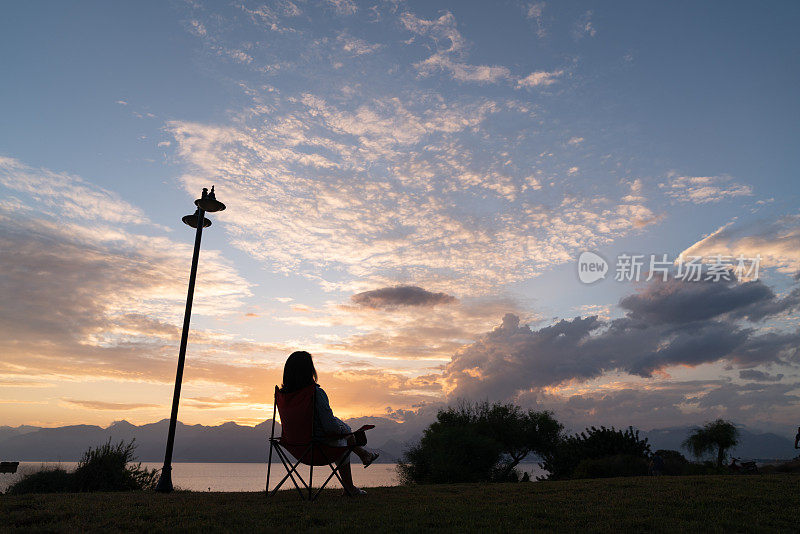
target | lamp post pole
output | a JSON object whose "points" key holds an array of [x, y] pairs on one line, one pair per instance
{"points": [[196, 220]]}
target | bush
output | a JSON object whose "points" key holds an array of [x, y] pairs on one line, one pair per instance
{"points": [[620, 465], [449, 455], [792, 466], [47, 480], [106, 468], [562, 461], [477, 443], [675, 463]]}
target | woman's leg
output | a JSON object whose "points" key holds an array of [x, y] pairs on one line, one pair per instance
{"points": [[360, 451], [347, 477]]}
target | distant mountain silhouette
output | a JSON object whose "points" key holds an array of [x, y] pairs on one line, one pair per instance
{"points": [[227, 442], [230, 442], [762, 446]]}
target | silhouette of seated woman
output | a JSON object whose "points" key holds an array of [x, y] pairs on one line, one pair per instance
{"points": [[298, 373]]}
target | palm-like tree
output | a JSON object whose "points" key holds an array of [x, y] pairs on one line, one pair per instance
{"points": [[719, 435]]}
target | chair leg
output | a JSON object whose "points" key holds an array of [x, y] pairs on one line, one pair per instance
{"points": [[290, 472], [269, 465], [311, 472], [288, 475], [334, 471], [272, 435]]}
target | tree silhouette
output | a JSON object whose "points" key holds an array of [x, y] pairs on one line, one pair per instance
{"points": [[477, 443], [593, 444], [719, 435]]}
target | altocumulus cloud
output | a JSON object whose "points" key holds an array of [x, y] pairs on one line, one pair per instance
{"points": [[458, 191]]}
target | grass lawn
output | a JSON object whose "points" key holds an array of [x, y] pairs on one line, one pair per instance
{"points": [[706, 503]]}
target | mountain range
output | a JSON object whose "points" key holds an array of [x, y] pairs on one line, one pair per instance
{"points": [[230, 442]]}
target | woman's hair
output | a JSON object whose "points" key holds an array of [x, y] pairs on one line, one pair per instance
{"points": [[298, 372]]}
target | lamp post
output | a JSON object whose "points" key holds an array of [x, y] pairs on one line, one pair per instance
{"points": [[206, 203]]}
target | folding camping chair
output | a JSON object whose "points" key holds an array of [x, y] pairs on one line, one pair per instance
{"points": [[298, 411]]}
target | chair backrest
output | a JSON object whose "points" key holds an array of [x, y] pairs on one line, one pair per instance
{"points": [[297, 414]]}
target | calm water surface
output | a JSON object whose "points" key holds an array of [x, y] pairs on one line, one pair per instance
{"points": [[249, 477]]}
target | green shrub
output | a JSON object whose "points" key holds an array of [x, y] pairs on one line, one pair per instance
{"points": [[105, 468], [620, 465], [47, 480]]}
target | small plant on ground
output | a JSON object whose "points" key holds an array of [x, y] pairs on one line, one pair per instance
{"points": [[105, 468], [112, 468], [46, 480]]}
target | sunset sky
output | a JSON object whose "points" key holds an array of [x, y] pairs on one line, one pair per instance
{"points": [[409, 186]]}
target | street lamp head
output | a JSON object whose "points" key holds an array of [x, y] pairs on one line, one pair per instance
{"points": [[191, 220], [208, 202]]}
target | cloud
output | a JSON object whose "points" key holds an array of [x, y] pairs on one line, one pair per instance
{"points": [[418, 338], [667, 324], [704, 189], [343, 7], [198, 28], [240, 56], [451, 48], [584, 27], [776, 241], [66, 195], [759, 376], [538, 78], [675, 302], [357, 47], [668, 403], [464, 72], [443, 28], [91, 297], [112, 406], [95, 303], [450, 191], [389, 297], [380, 192], [535, 12]]}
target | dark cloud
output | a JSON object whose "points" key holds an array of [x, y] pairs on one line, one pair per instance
{"points": [[679, 302], [748, 401], [667, 324], [392, 297], [759, 376]]}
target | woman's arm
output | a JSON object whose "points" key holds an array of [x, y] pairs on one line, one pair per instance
{"points": [[325, 418]]}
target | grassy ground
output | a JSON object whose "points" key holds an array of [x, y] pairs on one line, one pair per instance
{"points": [[709, 503]]}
